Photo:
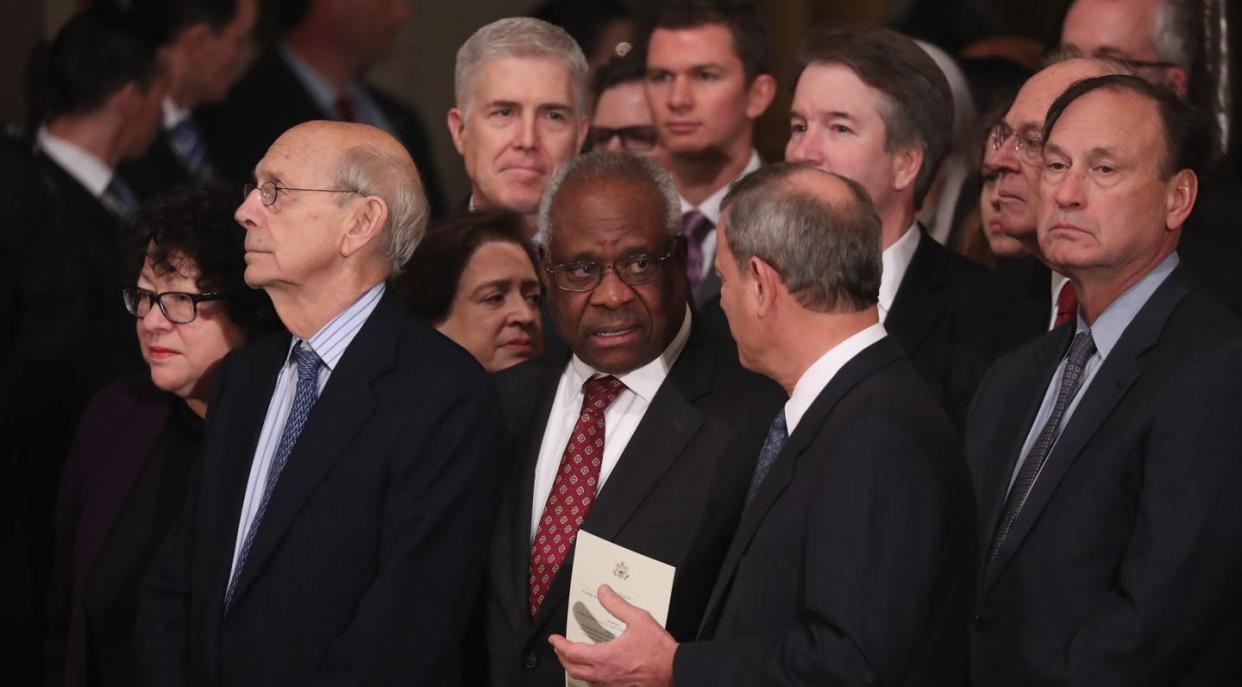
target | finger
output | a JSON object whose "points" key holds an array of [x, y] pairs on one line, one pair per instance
{"points": [[618, 606]]}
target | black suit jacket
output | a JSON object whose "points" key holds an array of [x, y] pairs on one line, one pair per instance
{"points": [[674, 495], [1211, 242], [1124, 562], [852, 565], [269, 99], [375, 537], [158, 170], [922, 317]]}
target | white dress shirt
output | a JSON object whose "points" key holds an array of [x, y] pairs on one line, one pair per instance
{"points": [[83, 166], [821, 372], [621, 418], [896, 260], [174, 114], [329, 343], [710, 208]]}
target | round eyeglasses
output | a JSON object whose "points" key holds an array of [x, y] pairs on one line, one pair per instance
{"points": [[585, 275], [1030, 146], [269, 189], [178, 307]]}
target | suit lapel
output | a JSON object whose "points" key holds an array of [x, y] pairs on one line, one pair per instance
{"points": [[345, 404], [781, 473], [915, 312], [1118, 373], [663, 435]]}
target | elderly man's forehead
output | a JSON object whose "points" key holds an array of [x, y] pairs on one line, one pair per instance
{"points": [[1038, 93]]}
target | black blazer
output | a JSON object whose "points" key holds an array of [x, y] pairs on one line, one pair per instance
{"points": [[375, 538], [269, 99], [852, 565], [1124, 562], [922, 317], [674, 495]]}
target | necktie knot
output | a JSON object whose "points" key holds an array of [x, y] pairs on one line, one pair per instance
{"points": [[599, 393], [695, 225], [307, 360], [1081, 349]]}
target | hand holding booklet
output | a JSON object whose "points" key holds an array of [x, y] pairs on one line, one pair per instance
{"points": [[642, 581]]}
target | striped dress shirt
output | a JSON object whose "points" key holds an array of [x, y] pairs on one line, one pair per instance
{"points": [[329, 343]]}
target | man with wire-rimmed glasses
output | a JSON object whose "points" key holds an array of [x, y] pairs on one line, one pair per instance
{"points": [[648, 411]]}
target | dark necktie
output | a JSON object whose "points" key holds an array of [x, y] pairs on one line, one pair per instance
{"points": [[573, 491], [1081, 350], [190, 147], [304, 397], [772, 445], [345, 106], [695, 225], [1067, 304], [119, 198]]}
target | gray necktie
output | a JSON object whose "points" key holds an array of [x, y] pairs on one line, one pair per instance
{"points": [[304, 397], [772, 445], [1082, 348]]}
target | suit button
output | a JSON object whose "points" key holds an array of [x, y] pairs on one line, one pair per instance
{"points": [[531, 661], [978, 623]]}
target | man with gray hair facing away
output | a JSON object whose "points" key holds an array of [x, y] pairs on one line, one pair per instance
{"points": [[349, 470], [521, 112], [852, 563], [676, 421]]}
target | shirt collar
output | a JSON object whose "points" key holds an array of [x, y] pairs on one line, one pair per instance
{"points": [[711, 206], [174, 114], [896, 260], [89, 170], [646, 380], [1112, 323], [820, 373], [330, 342]]}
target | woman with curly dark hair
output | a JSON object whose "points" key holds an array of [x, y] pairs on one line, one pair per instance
{"points": [[138, 442]]}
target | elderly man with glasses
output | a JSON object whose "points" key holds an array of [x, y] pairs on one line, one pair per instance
{"points": [[676, 421], [350, 468]]}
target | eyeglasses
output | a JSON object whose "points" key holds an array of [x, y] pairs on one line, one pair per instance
{"points": [[585, 275], [1030, 146], [636, 139], [178, 307], [269, 189]]}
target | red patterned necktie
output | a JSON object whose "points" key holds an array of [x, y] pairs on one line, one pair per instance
{"points": [[573, 492], [1067, 304]]}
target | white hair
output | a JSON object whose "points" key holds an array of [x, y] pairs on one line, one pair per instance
{"points": [[613, 166], [394, 178], [519, 37]]}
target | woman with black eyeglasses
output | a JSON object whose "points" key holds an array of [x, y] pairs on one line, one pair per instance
{"points": [[138, 442]]}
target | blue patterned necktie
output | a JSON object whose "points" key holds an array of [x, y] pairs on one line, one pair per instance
{"points": [[303, 400], [119, 198], [190, 147], [772, 445], [1081, 350]]}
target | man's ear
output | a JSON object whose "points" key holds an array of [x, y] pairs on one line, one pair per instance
{"points": [[759, 96], [457, 128], [364, 224], [1179, 200], [765, 286], [906, 166]]}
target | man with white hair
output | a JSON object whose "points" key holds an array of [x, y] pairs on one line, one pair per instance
{"points": [[676, 421], [349, 469], [521, 111]]}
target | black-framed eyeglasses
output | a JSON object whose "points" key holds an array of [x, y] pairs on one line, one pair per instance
{"points": [[178, 307], [585, 275], [1030, 146], [269, 189], [636, 139]]}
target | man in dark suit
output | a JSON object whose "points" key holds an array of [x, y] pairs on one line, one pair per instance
{"points": [[680, 429], [315, 72], [203, 46], [872, 106], [1104, 452], [338, 528], [853, 560]]}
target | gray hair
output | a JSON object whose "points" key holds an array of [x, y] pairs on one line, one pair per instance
{"points": [[611, 166], [1175, 37], [519, 37], [826, 252], [394, 178]]}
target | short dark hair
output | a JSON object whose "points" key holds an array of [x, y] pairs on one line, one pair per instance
{"points": [[197, 224], [827, 253], [164, 19], [93, 56], [1186, 141], [616, 71], [919, 111], [429, 282], [745, 24]]}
